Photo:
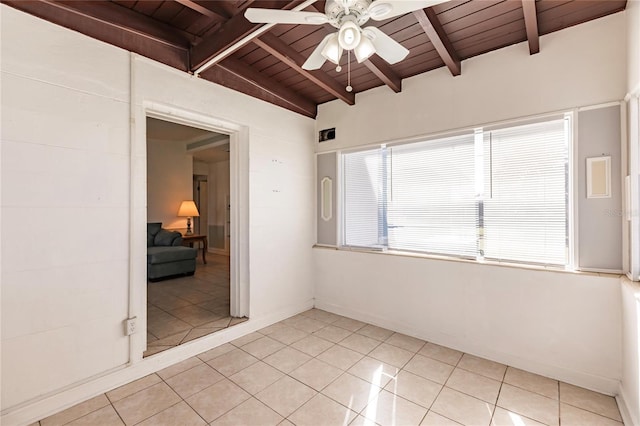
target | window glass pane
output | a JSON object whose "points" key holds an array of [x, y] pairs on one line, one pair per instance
{"points": [[363, 191], [432, 206], [525, 195]]}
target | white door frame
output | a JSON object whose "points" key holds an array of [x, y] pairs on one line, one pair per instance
{"points": [[239, 200]]}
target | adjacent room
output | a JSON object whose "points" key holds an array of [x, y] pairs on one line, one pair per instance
{"points": [[357, 212]]}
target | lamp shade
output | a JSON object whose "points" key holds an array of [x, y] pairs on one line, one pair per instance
{"points": [[364, 49], [349, 35], [332, 50], [188, 209]]}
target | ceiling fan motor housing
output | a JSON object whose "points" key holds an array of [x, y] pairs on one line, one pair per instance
{"points": [[358, 11]]}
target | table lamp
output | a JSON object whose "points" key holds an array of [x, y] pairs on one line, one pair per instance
{"points": [[188, 209]]}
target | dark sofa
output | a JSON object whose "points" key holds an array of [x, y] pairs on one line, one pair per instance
{"points": [[166, 256]]}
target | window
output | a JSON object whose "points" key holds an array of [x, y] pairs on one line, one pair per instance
{"points": [[499, 194]]}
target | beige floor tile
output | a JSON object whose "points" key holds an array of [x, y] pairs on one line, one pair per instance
{"points": [[352, 392], [194, 380], [247, 338], [502, 417], [362, 421], [482, 366], [375, 332], [133, 387], [429, 368], [172, 340], [179, 414], [360, 343], [312, 345], [392, 355], [316, 374], [475, 385], [146, 403], [198, 332], [532, 382], [529, 404], [462, 408], [285, 422], [332, 333], [414, 388], [572, 416], [321, 315], [403, 341], [305, 324], [105, 416], [250, 413], [263, 347], [434, 419], [374, 371], [287, 359], [340, 357], [216, 400], [286, 395], [590, 401], [273, 328], [322, 411], [288, 335], [256, 377], [390, 409], [77, 411], [235, 321], [348, 324], [178, 368], [216, 352], [222, 322], [441, 353], [167, 326], [152, 350], [232, 362]]}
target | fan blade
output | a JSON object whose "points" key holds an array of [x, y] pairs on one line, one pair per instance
{"points": [[386, 47], [316, 59], [276, 16], [380, 10]]}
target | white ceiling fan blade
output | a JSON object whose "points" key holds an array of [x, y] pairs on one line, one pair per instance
{"points": [[386, 47], [380, 10], [276, 16], [316, 59]]}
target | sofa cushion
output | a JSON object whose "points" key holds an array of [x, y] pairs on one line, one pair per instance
{"points": [[152, 230], [166, 238], [165, 254]]}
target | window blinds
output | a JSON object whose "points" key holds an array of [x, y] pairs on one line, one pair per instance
{"points": [[432, 205], [526, 193], [499, 194]]}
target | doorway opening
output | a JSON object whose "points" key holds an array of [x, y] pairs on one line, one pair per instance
{"points": [[186, 163]]}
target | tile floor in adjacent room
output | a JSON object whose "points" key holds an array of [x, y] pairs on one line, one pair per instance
{"points": [[185, 308], [318, 368]]}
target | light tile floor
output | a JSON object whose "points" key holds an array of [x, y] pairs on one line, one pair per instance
{"points": [[318, 368], [185, 308]]}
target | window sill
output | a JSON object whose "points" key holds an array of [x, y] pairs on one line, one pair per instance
{"points": [[492, 263]]}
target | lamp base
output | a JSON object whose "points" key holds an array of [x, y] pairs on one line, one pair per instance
{"points": [[189, 232]]}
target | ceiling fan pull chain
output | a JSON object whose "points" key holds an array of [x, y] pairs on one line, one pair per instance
{"points": [[349, 88]]}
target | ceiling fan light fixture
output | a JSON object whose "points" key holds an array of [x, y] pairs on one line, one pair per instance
{"points": [[364, 49], [349, 35], [332, 51], [379, 9]]}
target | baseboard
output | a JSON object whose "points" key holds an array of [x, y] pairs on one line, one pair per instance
{"points": [[596, 383], [628, 417], [47, 405]]}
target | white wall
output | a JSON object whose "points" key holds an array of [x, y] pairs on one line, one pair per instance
{"points": [[561, 325], [504, 84], [169, 182], [66, 208], [633, 45]]}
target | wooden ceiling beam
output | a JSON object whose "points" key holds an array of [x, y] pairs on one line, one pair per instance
{"points": [[232, 35], [212, 9], [531, 24], [428, 20], [294, 59], [383, 71], [298, 102], [115, 25], [236, 75]]}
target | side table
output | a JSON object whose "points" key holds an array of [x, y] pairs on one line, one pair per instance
{"points": [[188, 240]]}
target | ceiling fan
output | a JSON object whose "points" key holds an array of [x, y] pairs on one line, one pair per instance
{"points": [[348, 16]]}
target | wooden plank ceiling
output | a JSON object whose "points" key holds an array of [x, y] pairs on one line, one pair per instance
{"points": [[186, 34]]}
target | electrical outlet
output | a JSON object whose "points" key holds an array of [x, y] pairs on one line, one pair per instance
{"points": [[130, 326]]}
